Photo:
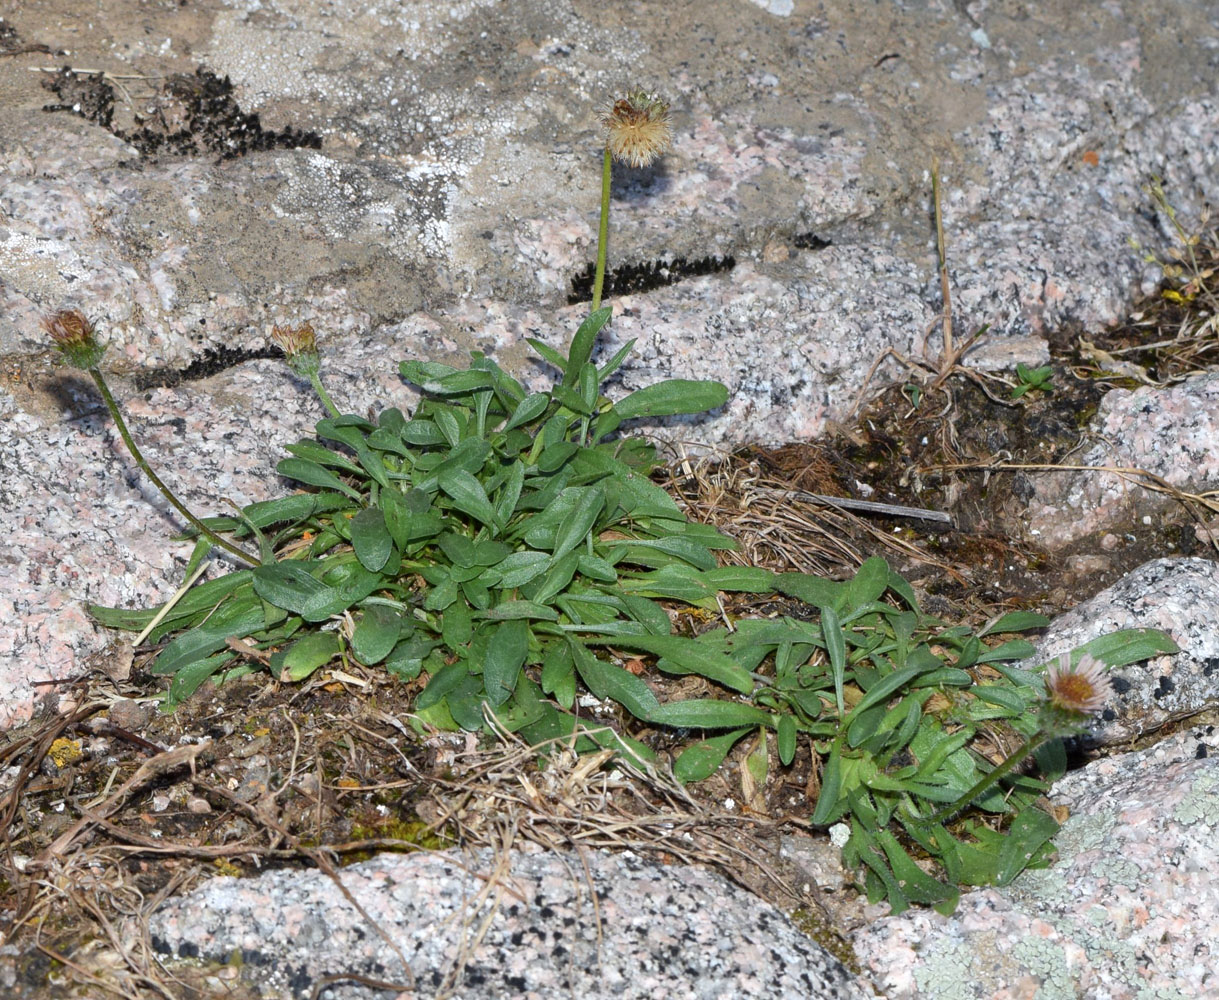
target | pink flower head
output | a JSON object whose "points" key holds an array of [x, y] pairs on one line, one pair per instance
{"points": [[1083, 688]]}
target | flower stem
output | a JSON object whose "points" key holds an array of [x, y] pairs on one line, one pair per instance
{"points": [[602, 229], [999, 771], [323, 395], [112, 406]]}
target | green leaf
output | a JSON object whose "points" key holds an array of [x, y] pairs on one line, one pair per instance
{"points": [[1128, 645], [521, 567], [376, 634], [1002, 696], [815, 591], [747, 579], [680, 655], [614, 363], [787, 740], [605, 680], [418, 372], [422, 433], [528, 410], [187, 679], [236, 619], [509, 494], [884, 688], [649, 614], [467, 495], [1013, 649], [319, 454], [312, 474], [510, 610], [915, 883], [688, 551], [456, 627], [679, 582], [869, 583], [305, 655], [708, 713], [559, 674], [663, 399], [289, 585], [371, 539], [548, 353], [836, 649], [458, 382], [582, 344], [1029, 832], [828, 807], [1015, 621], [506, 652], [200, 599], [701, 760], [589, 502]]}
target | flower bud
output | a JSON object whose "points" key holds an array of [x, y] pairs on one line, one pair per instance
{"points": [[75, 336], [300, 346]]}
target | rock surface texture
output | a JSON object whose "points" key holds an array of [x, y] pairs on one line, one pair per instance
{"points": [[650, 931], [421, 180]]}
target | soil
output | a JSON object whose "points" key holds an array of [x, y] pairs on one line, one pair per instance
{"points": [[281, 771]]}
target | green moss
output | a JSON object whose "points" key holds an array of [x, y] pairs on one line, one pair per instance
{"points": [[813, 924]]}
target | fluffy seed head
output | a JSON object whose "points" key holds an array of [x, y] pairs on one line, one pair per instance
{"points": [[75, 337], [1082, 689], [300, 346], [637, 128]]}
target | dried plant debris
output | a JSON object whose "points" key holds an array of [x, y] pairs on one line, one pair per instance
{"points": [[12, 45], [646, 276], [187, 116]]}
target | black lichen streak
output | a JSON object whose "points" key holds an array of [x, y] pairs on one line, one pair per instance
{"points": [[810, 241], [189, 116], [645, 277], [213, 361]]}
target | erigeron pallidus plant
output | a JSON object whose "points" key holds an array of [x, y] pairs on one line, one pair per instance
{"points": [[507, 546]]}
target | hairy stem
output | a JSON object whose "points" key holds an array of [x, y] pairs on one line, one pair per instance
{"points": [[602, 229], [112, 406]]}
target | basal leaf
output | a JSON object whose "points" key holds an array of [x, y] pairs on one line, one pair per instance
{"points": [[708, 713], [701, 760], [663, 399], [371, 539], [506, 651]]}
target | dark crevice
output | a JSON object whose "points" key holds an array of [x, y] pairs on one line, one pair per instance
{"points": [[646, 276], [211, 362]]}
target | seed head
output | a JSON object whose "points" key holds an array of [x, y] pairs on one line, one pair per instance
{"points": [[1081, 689], [300, 345], [637, 128], [75, 337]]}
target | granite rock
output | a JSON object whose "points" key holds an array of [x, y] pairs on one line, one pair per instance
{"points": [[595, 925]]}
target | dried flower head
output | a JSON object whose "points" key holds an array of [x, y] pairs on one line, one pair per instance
{"points": [[300, 345], [75, 336], [638, 128], [1082, 689]]}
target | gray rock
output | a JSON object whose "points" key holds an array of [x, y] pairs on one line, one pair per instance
{"points": [[1171, 432], [1179, 596], [651, 931], [1126, 911]]}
